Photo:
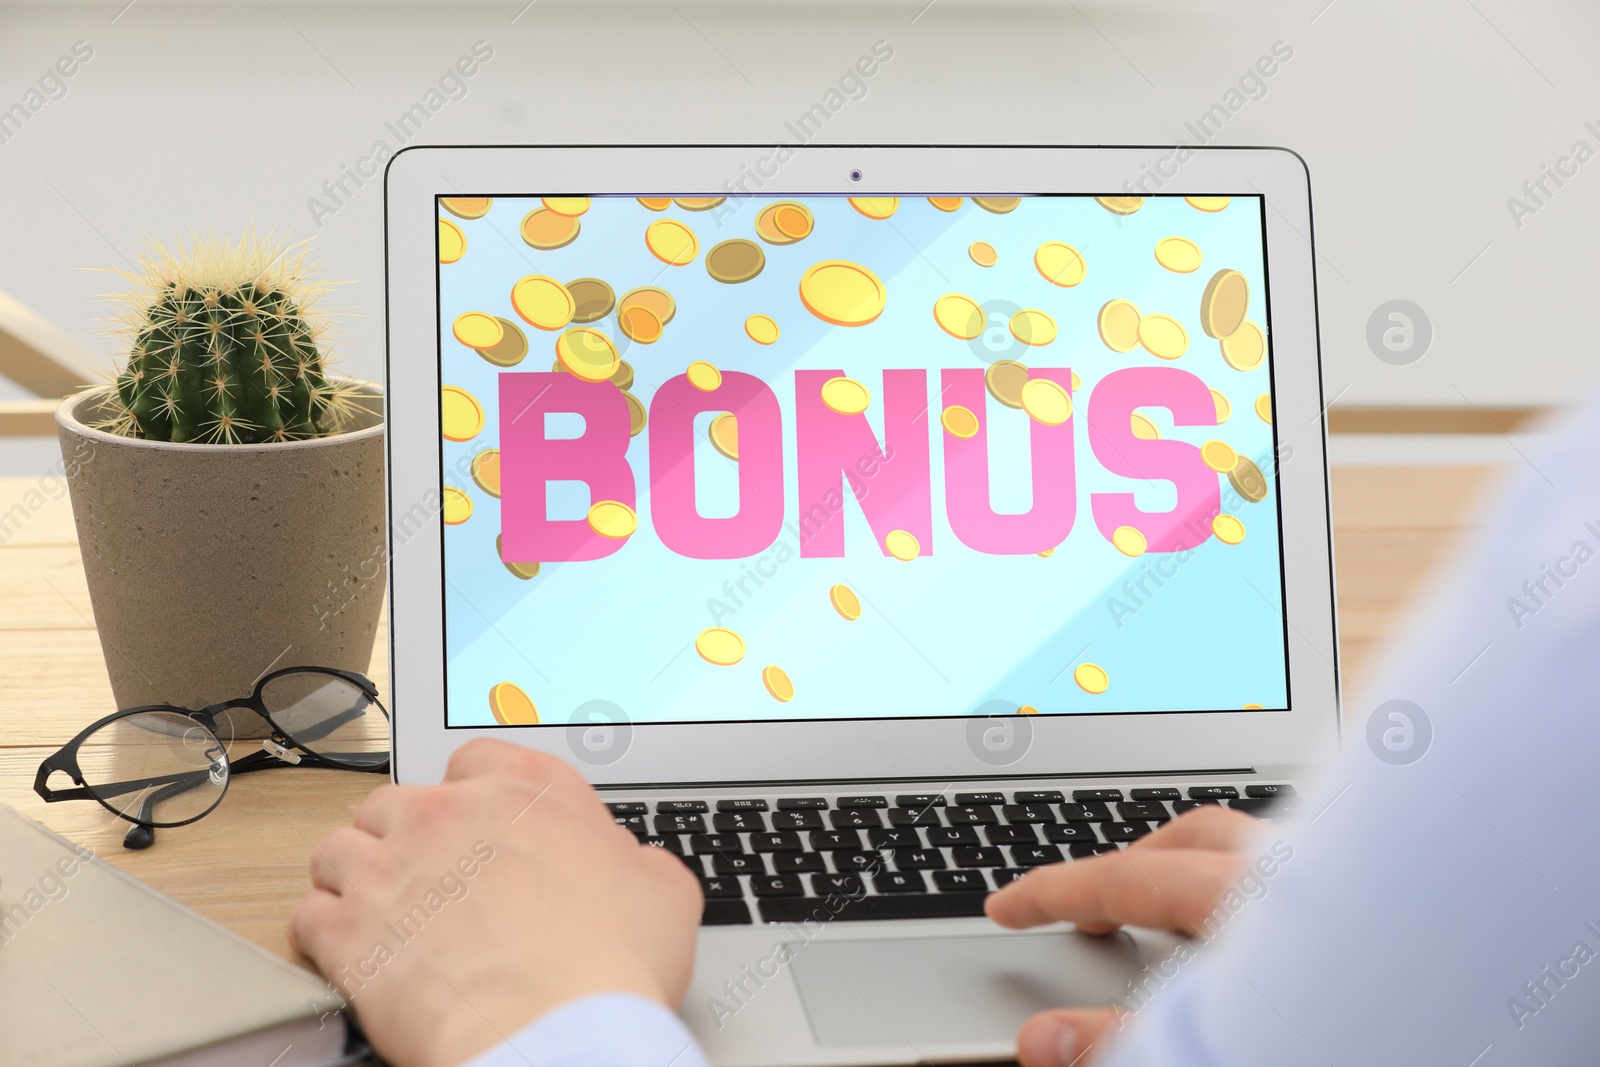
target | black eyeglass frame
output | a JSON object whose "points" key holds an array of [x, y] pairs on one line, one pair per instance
{"points": [[65, 759]]}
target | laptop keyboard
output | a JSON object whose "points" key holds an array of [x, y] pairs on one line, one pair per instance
{"points": [[904, 856]]}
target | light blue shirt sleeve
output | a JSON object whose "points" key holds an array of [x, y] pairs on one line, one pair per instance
{"points": [[1442, 900], [609, 1030]]}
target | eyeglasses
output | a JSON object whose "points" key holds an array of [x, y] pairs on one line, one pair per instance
{"points": [[161, 765]]}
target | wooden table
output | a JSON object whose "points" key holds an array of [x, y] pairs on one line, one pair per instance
{"points": [[245, 864]]}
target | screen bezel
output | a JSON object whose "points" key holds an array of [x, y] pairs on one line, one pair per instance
{"points": [[861, 748]]}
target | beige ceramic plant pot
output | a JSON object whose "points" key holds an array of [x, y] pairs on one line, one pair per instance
{"points": [[210, 564]]}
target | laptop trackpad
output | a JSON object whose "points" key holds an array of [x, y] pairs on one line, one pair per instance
{"points": [[955, 989]]}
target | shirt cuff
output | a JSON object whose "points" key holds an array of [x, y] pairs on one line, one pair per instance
{"points": [[605, 1030]]}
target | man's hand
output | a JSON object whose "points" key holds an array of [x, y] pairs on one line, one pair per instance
{"points": [[453, 915], [1171, 879]]}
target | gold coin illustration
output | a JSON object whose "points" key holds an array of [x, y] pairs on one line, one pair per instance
{"points": [[1163, 337], [542, 302], [546, 230], [1033, 327], [511, 349], [466, 207], [761, 329], [587, 353], [452, 242], [723, 433], [566, 205], [659, 301], [845, 602], [1229, 530], [959, 316], [703, 376], [639, 323], [1004, 379], [613, 519], [902, 545], [1046, 402], [698, 203], [1129, 541], [983, 253], [671, 242], [636, 413], [735, 261], [1250, 707], [777, 683], [1264, 408], [1060, 264], [1224, 303], [477, 330], [656, 203], [1143, 428], [623, 378], [998, 205], [457, 506], [1224, 409], [524, 571], [1248, 481], [486, 471], [1207, 203], [1178, 254], [1118, 323], [1120, 205], [1045, 553], [842, 293], [720, 646], [945, 203], [784, 223], [510, 706], [460, 414], [845, 396], [1091, 678], [1219, 456], [1077, 382], [592, 299], [1244, 348], [875, 207], [959, 421]]}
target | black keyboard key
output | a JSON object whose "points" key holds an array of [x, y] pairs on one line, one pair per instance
{"points": [[980, 798], [721, 886], [1064, 833], [918, 859], [900, 882], [836, 841], [1006, 875], [1263, 806], [778, 842], [1037, 796], [672, 843], [1124, 831], [738, 822], [1134, 809], [1083, 850], [1212, 792], [1268, 792], [802, 803], [1035, 855], [629, 807], [742, 804], [1021, 813], [887, 906], [861, 802], [971, 816], [950, 836], [899, 838], [854, 819], [914, 817], [1085, 795], [961, 881], [797, 820], [741, 864], [844, 885], [777, 885], [920, 800], [1181, 806], [798, 863], [973, 856], [681, 807], [1090, 811], [704, 844], [725, 913], [680, 824], [1164, 793], [855, 862], [633, 823], [1011, 835]]}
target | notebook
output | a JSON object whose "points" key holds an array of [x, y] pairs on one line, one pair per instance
{"points": [[99, 970]]}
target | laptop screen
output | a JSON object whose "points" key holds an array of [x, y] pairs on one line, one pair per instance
{"points": [[818, 457]]}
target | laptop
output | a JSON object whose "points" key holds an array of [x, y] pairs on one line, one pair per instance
{"points": [[871, 525]]}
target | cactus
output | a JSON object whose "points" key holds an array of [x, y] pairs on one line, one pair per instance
{"points": [[226, 348]]}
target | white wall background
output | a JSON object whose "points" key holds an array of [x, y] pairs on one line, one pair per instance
{"points": [[1419, 120]]}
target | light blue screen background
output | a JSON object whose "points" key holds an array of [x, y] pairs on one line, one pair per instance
{"points": [[940, 635]]}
